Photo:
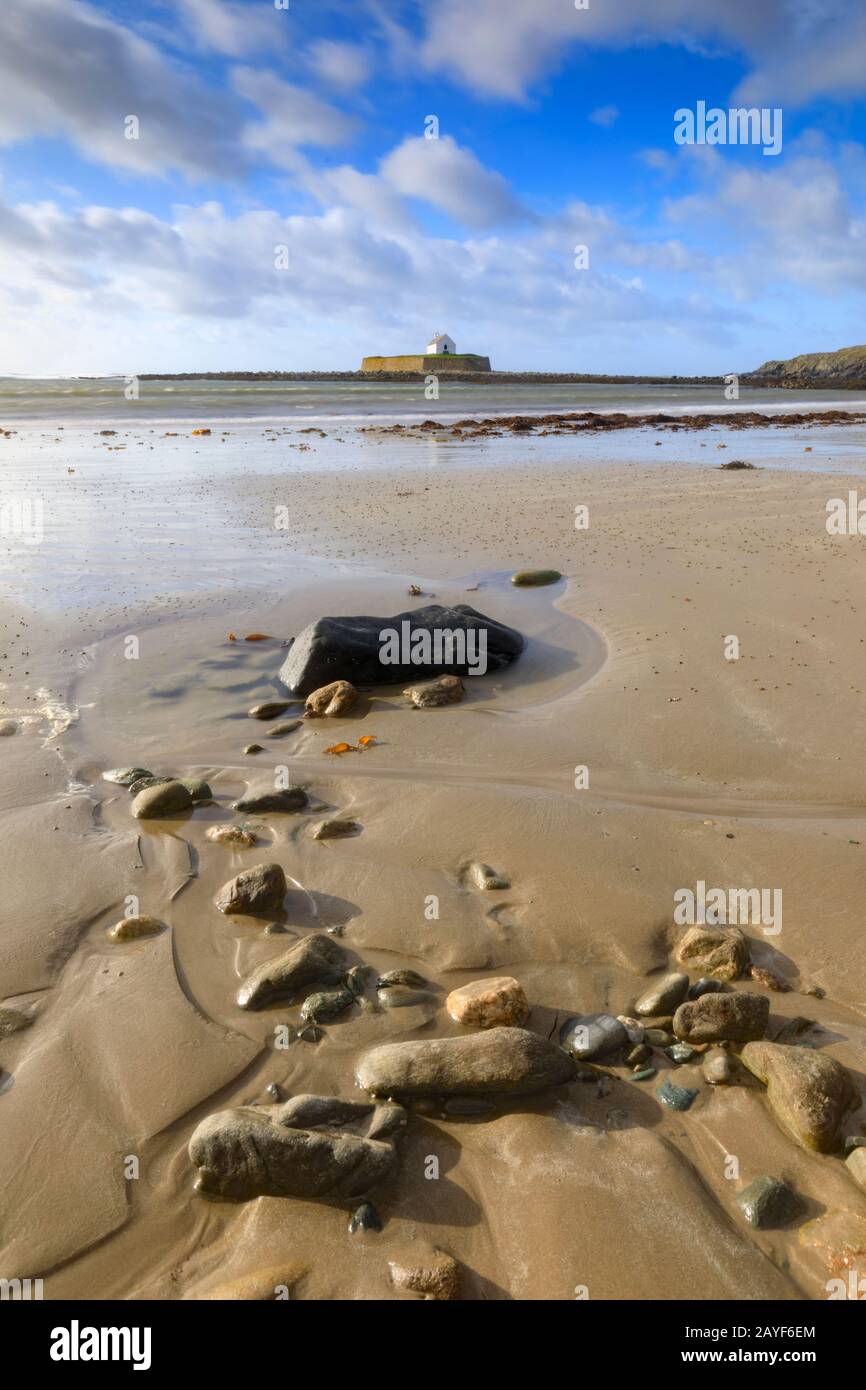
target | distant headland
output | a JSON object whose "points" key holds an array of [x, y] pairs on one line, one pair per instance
{"points": [[844, 369]]}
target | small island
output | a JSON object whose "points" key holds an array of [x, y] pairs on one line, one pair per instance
{"points": [[440, 355]]}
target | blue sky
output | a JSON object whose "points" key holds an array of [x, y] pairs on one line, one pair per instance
{"points": [[281, 206]]}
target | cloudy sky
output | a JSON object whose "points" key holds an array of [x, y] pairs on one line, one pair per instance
{"points": [[282, 206]]}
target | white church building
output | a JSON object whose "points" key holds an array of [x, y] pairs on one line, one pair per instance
{"points": [[440, 345]]}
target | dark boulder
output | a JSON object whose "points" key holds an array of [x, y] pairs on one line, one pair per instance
{"points": [[349, 648]]}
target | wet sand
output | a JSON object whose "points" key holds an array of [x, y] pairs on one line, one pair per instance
{"points": [[743, 773]]}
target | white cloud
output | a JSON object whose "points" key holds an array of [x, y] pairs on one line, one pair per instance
{"points": [[291, 117], [501, 47], [68, 71], [202, 289], [232, 27], [798, 48], [341, 65], [450, 178], [793, 226]]}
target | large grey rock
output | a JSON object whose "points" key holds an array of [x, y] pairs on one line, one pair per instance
{"points": [[314, 960], [310, 1146], [348, 648], [735, 1017], [258, 890], [809, 1092], [499, 1061]]}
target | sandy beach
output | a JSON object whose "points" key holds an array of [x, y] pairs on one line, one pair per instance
{"points": [[624, 757]]}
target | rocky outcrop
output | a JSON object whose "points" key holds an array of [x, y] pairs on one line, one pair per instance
{"points": [[844, 367]]}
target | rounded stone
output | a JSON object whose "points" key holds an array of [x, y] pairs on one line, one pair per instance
{"points": [[125, 776], [856, 1165], [270, 709], [332, 700], [496, 1061], [165, 799], [141, 782], [633, 1027], [435, 1276], [285, 799], [232, 835], [734, 1017], [133, 928], [197, 787], [676, 1097], [335, 829], [704, 986], [717, 1068], [447, 690], [768, 1203], [326, 1005], [722, 954], [260, 889], [489, 1003], [808, 1092], [533, 579], [663, 997], [592, 1035]]}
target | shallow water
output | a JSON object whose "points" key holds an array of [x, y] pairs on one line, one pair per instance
{"points": [[77, 400], [88, 520]]}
